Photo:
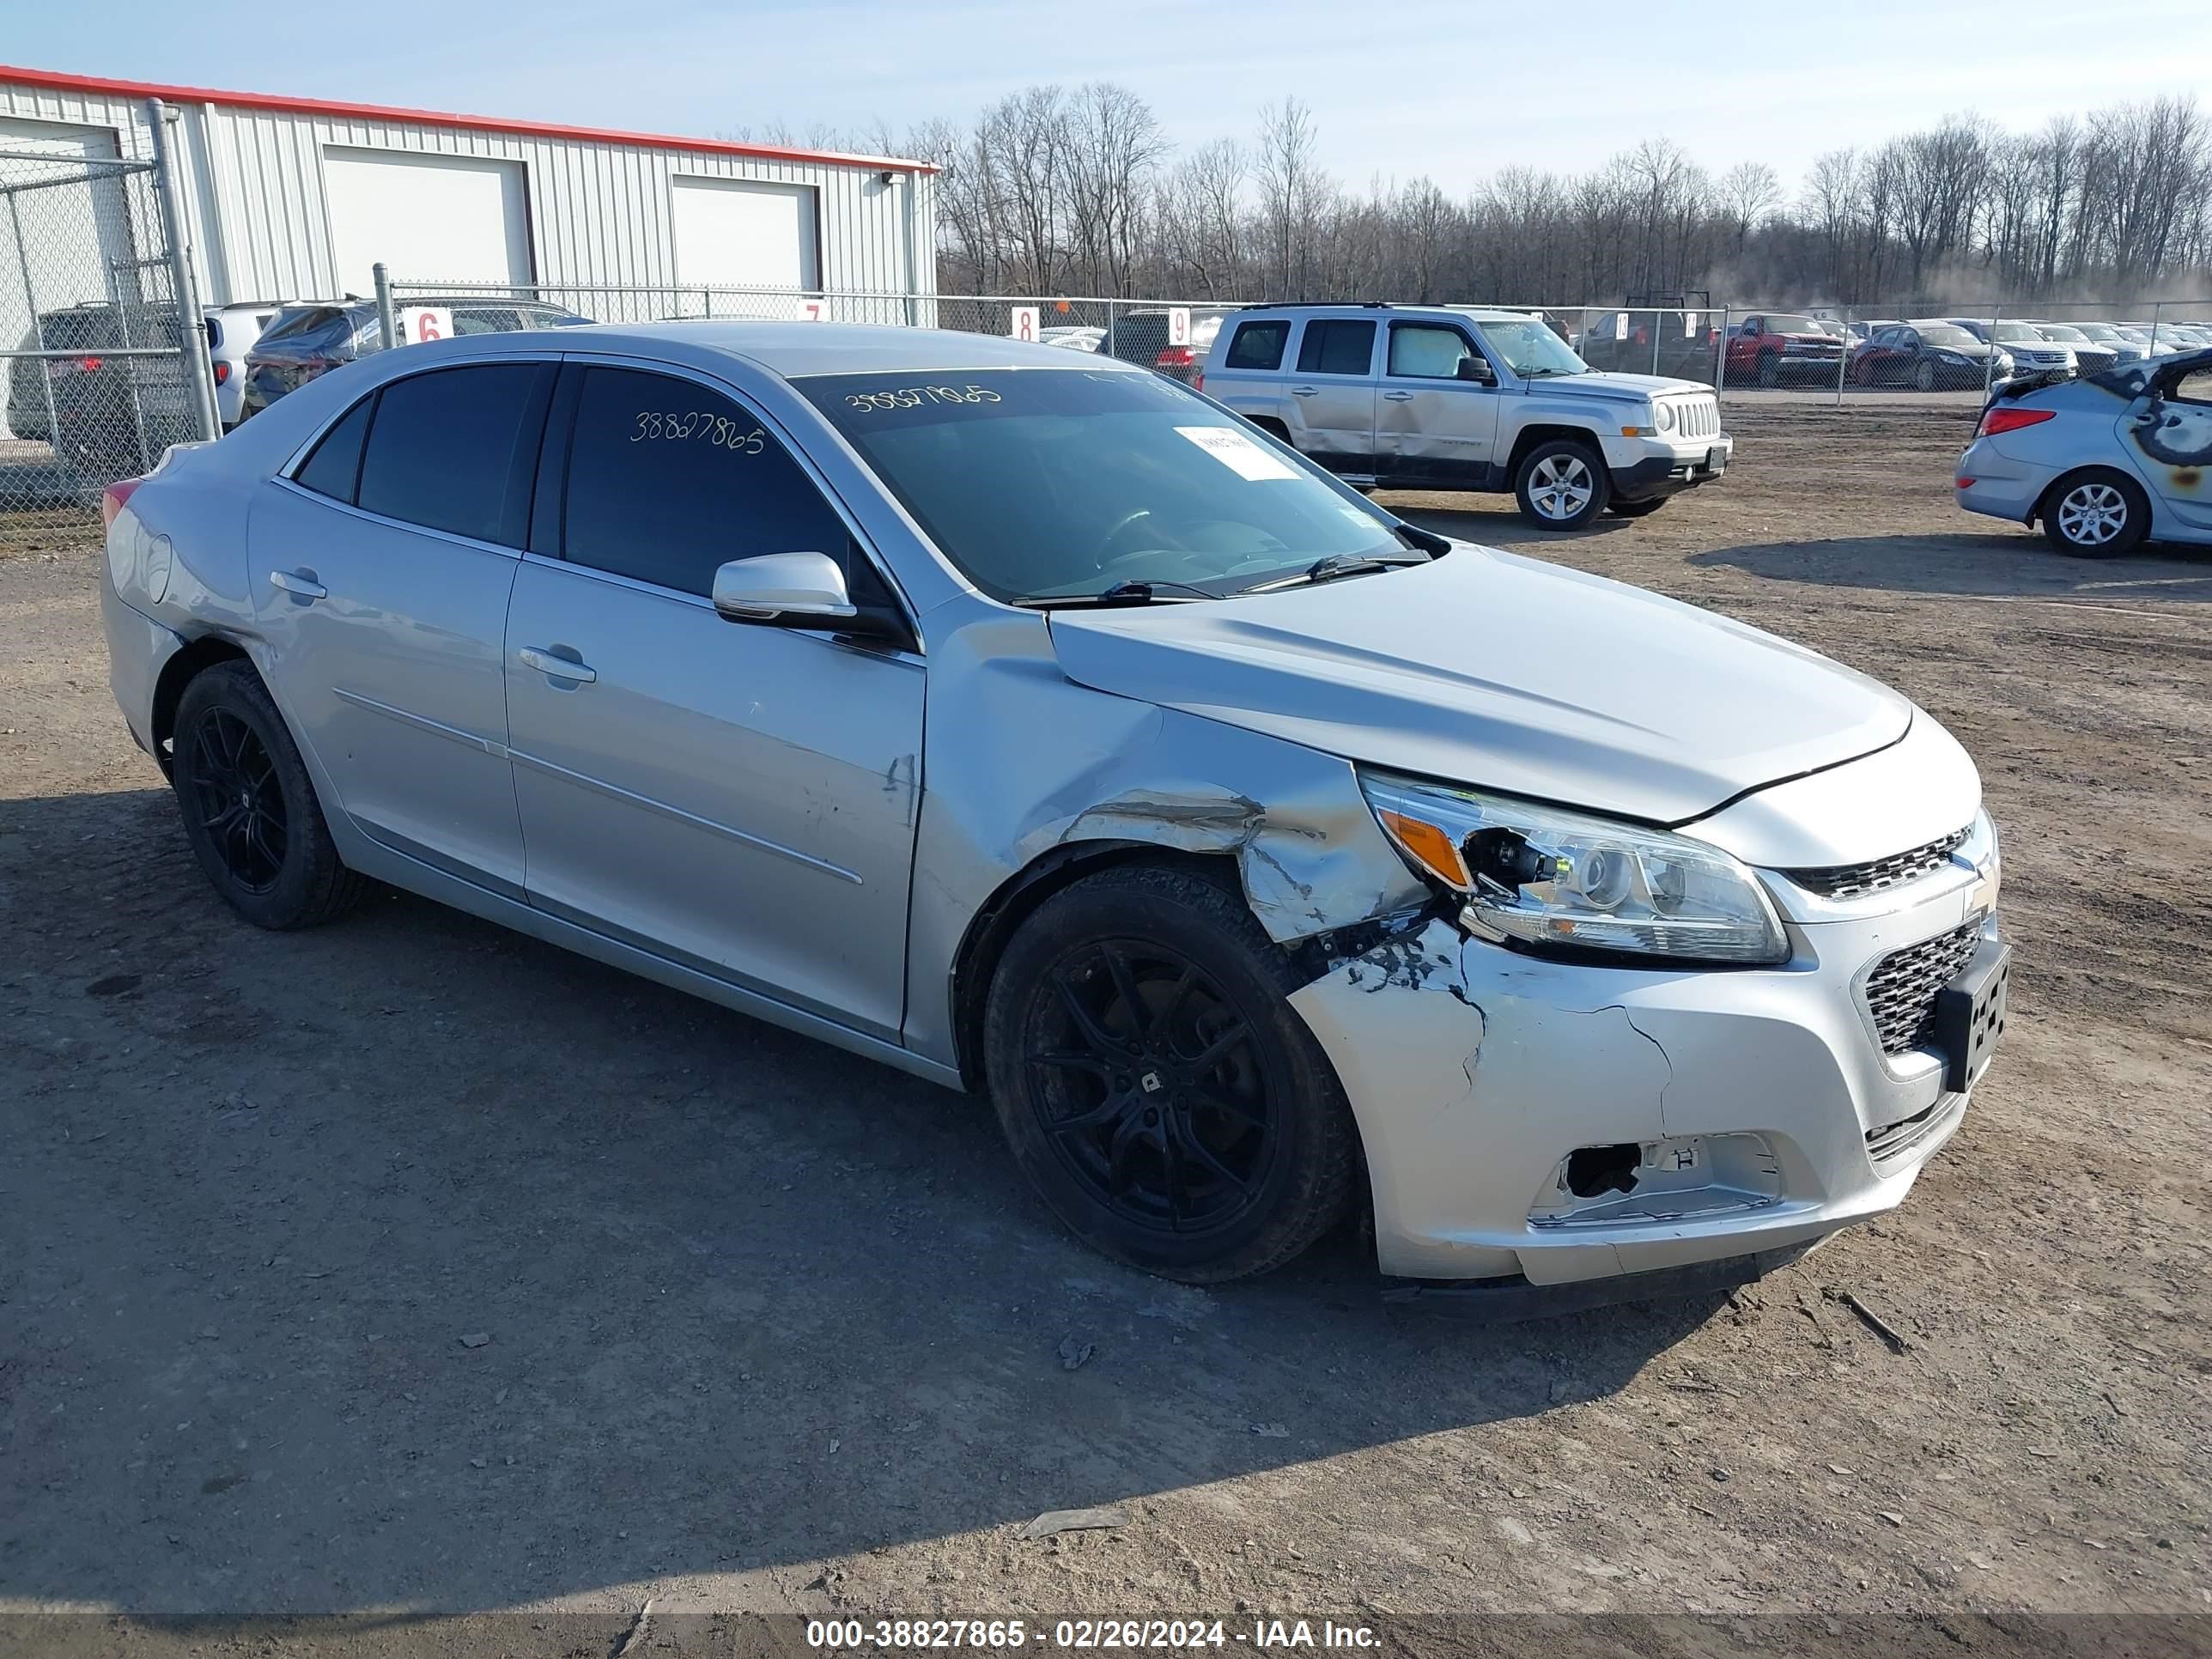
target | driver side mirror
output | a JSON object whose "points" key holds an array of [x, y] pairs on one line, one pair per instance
{"points": [[1477, 369]]}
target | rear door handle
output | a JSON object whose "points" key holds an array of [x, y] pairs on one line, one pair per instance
{"points": [[301, 584], [1398, 397], [559, 668]]}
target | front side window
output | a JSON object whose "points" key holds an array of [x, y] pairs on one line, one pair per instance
{"points": [[668, 481], [1334, 346], [1055, 484], [454, 449], [1424, 351], [1258, 345]]}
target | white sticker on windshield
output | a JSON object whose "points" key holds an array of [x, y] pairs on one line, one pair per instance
{"points": [[1238, 452]]}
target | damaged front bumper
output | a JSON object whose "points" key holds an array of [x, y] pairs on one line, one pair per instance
{"points": [[1540, 1122]]}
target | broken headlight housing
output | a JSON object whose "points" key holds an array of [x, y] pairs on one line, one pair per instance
{"points": [[1548, 876]]}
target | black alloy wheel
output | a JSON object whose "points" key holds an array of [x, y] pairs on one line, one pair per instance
{"points": [[240, 805], [1145, 1079]]}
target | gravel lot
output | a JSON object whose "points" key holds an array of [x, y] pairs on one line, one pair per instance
{"points": [[773, 1328]]}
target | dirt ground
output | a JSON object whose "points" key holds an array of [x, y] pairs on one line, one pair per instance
{"points": [[773, 1328]]}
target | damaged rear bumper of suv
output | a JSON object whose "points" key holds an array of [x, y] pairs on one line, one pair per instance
{"points": [[1532, 1123]]}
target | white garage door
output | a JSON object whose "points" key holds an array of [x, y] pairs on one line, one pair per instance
{"points": [[735, 234], [428, 218]]}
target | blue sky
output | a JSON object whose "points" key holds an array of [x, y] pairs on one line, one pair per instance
{"points": [[1454, 91]]}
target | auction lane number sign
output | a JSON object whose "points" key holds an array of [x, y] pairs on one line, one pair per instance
{"points": [[1022, 323]]}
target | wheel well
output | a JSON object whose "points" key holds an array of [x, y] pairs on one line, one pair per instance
{"points": [[995, 925], [176, 674], [1269, 423], [1531, 436], [2065, 481]]}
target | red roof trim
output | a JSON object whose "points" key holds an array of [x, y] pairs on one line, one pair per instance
{"points": [[56, 80]]}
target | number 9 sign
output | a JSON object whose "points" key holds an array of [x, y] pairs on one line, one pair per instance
{"points": [[419, 325]]}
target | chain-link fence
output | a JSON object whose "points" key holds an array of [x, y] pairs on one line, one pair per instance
{"points": [[1943, 354], [95, 380]]}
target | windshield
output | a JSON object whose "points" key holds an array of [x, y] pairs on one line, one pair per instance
{"points": [[1793, 326], [2014, 331], [1952, 339], [1531, 349], [1047, 483], [2061, 331], [2099, 331]]}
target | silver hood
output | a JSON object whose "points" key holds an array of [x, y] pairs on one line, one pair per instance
{"points": [[1597, 384], [1501, 672]]}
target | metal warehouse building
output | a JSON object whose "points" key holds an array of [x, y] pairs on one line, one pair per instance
{"points": [[299, 197]]}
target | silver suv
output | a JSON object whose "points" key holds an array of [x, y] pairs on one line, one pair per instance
{"points": [[1456, 398]]}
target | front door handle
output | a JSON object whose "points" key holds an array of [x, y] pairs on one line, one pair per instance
{"points": [[556, 667], [301, 584], [1398, 397], [1305, 391]]}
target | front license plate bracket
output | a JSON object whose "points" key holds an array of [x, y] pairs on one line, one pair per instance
{"points": [[1970, 1014]]}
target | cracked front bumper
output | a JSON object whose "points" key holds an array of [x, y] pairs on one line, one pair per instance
{"points": [[1475, 1073]]}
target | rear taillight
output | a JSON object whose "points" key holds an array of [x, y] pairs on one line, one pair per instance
{"points": [[221, 373], [2011, 420], [1176, 357], [112, 498], [1198, 381], [89, 365]]}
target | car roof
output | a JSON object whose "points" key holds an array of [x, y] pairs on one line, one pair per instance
{"points": [[1472, 314], [797, 349]]}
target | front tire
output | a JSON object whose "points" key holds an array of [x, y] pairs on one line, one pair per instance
{"points": [[1562, 485], [1638, 509], [1154, 1084], [2096, 514], [1769, 370], [249, 807], [1924, 377]]}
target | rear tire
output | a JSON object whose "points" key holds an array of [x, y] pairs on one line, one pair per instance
{"points": [[1154, 1082], [1562, 485], [249, 807], [2096, 514]]}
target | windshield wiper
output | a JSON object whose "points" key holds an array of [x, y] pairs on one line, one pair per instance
{"points": [[1329, 569], [1129, 593]]}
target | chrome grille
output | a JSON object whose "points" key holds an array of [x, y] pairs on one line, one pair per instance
{"points": [[1900, 993], [1851, 881]]}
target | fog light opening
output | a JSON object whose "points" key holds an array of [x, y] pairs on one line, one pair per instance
{"points": [[1595, 1171]]}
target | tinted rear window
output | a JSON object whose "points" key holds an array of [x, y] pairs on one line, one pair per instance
{"points": [[334, 470], [1258, 345], [1332, 346], [447, 450]]}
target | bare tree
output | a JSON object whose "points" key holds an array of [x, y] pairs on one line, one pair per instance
{"points": [[1291, 183]]}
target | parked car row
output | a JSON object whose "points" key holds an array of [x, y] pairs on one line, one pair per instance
{"points": [[305, 340]]}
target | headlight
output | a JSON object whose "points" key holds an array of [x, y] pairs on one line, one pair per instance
{"points": [[1549, 877], [1665, 415]]}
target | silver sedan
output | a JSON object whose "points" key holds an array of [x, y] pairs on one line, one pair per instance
{"points": [[2105, 463], [1039, 727]]}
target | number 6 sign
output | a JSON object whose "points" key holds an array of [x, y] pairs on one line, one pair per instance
{"points": [[1022, 325], [421, 323]]}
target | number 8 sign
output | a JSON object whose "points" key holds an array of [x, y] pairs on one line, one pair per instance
{"points": [[1022, 325], [421, 323]]}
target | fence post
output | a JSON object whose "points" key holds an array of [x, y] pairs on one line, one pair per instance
{"points": [[192, 325], [1989, 358], [1843, 356], [387, 314], [1720, 359], [2157, 315]]}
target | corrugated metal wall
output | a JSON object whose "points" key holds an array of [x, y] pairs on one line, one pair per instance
{"points": [[599, 212]]}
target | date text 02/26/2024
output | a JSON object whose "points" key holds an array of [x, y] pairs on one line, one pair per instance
{"points": [[1001, 1635]]}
